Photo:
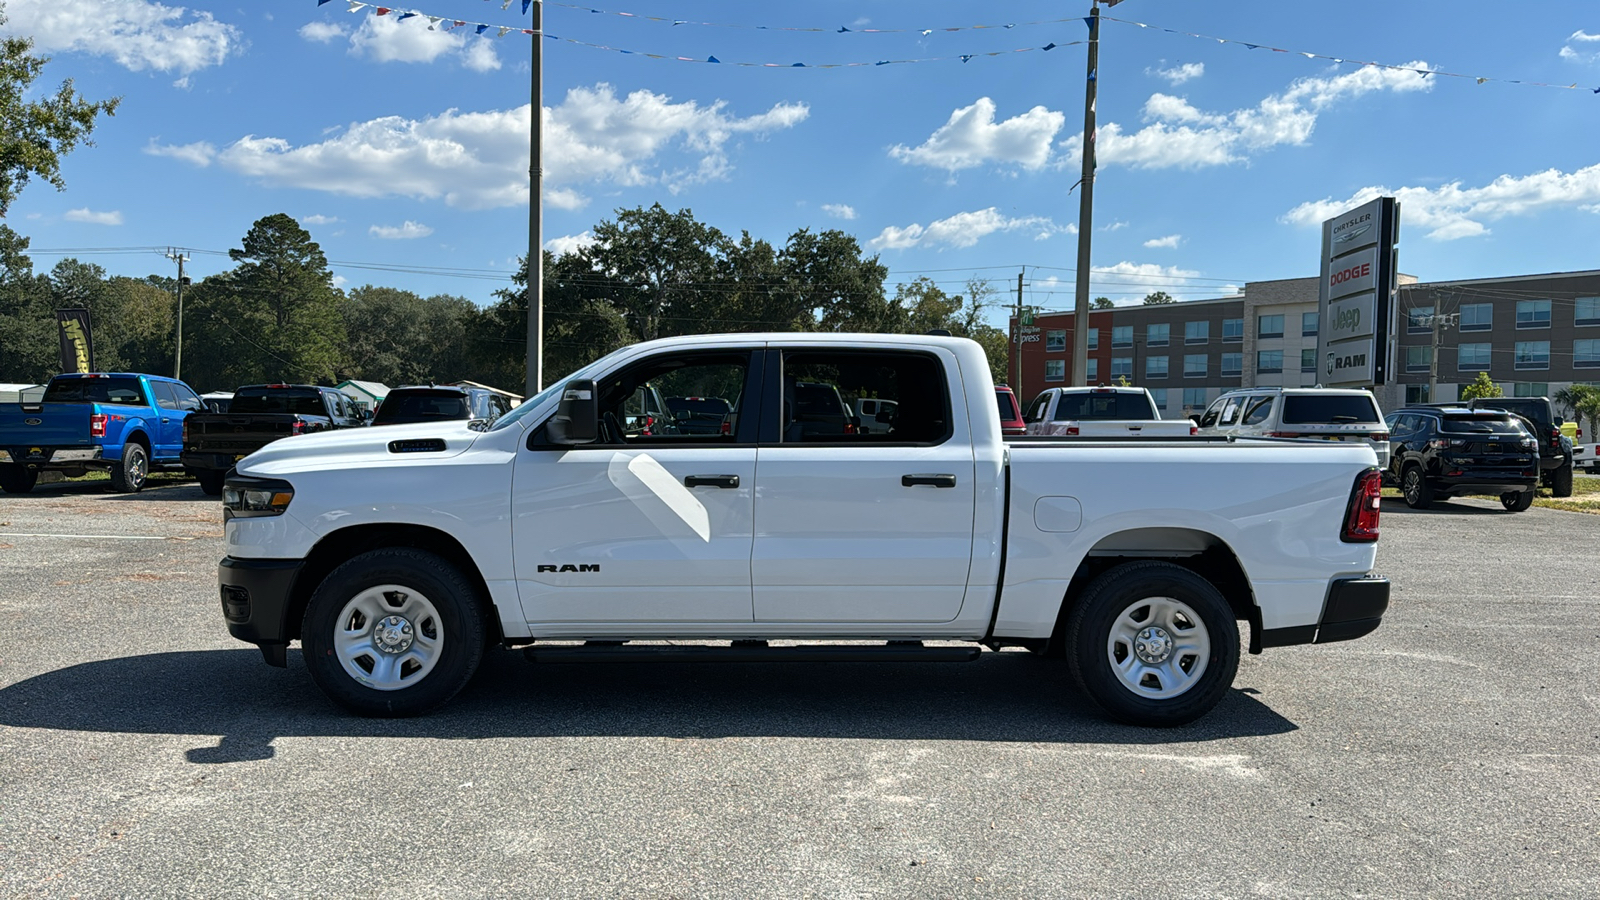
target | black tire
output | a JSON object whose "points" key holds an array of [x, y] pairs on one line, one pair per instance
{"points": [[1112, 603], [1561, 481], [432, 597], [1416, 489], [15, 479], [1517, 501], [210, 480], [128, 476]]}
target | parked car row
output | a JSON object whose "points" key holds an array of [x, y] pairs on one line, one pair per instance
{"points": [[130, 425]]}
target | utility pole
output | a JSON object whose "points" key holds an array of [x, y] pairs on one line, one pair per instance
{"points": [[181, 258], [1080, 333], [1439, 323], [1016, 339], [535, 377]]}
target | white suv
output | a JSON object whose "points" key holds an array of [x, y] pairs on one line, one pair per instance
{"points": [[1327, 414]]}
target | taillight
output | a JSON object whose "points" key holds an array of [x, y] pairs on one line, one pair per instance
{"points": [[186, 429], [97, 425], [1072, 430], [1361, 518], [297, 427], [849, 428], [727, 428], [1194, 430]]}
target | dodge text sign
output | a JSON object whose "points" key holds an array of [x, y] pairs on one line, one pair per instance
{"points": [[1356, 295]]}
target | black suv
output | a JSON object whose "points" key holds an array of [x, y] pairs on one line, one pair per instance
{"points": [[440, 403], [1555, 450], [1449, 451]]}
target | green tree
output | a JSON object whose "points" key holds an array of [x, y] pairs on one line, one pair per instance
{"points": [[1158, 297], [1482, 386], [1103, 303], [657, 261], [838, 287], [398, 337]]}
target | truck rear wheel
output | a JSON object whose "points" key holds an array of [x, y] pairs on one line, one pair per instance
{"points": [[210, 480], [393, 632], [1561, 481], [128, 476], [15, 479], [1153, 644]]}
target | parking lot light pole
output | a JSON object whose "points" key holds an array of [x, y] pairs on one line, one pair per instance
{"points": [[534, 382]]}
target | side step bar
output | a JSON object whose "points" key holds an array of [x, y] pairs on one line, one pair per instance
{"points": [[909, 651]]}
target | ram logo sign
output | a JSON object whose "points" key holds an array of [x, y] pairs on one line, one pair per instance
{"points": [[569, 567]]}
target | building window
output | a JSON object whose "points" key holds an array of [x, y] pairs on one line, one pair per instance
{"points": [[1122, 335], [1308, 359], [1586, 354], [1269, 362], [1477, 316], [1194, 365], [1194, 399], [1269, 326], [1121, 367], [1308, 324], [1232, 331], [1196, 332], [1531, 389], [1533, 313], [1232, 364], [1418, 393], [1094, 339], [1159, 395], [1419, 320], [1157, 335], [1155, 367], [1055, 341], [1056, 369], [1533, 354], [1586, 311], [1092, 373], [1419, 359], [1473, 357]]}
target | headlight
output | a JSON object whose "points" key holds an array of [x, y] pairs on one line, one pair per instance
{"points": [[250, 497]]}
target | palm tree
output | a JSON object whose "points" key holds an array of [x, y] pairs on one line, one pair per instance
{"points": [[1583, 401]]}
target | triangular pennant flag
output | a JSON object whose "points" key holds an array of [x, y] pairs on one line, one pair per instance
{"points": [[525, 5], [966, 57], [506, 5], [713, 59], [384, 10], [405, 16], [357, 6], [433, 22], [320, 2], [1308, 55], [1050, 46], [797, 65], [1482, 80], [1597, 90], [503, 31], [843, 30], [1253, 46], [1092, 75], [482, 28], [1089, 22]]}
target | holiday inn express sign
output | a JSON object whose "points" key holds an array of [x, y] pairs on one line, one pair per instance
{"points": [[1356, 295]]}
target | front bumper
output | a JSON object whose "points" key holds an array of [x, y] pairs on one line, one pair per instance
{"points": [[256, 599], [1354, 608]]}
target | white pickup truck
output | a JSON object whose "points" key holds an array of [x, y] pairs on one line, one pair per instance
{"points": [[398, 555], [1126, 412]]}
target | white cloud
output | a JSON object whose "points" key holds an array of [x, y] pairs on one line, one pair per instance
{"points": [[1114, 226], [964, 230], [840, 210], [392, 39], [322, 32], [409, 231], [1179, 74], [570, 243], [113, 217], [137, 34], [1179, 135], [1169, 242], [1450, 211], [1130, 278], [971, 138], [318, 220], [200, 153], [1582, 55], [479, 160]]}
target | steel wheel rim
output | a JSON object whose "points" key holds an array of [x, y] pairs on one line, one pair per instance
{"points": [[388, 637], [1158, 648]]}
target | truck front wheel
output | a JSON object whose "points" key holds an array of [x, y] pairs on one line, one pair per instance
{"points": [[1153, 644], [15, 479], [210, 480], [393, 632]]}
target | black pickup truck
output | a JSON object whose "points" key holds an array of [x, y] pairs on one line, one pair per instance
{"points": [[1555, 450], [258, 415]]}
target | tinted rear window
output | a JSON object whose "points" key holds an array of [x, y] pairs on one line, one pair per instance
{"points": [[1008, 406], [419, 407], [1480, 425], [305, 403], [1338, 409], [1115, 405], [119, 391]]}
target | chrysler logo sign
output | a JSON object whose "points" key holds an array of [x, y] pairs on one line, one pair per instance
{"points": [[1352, 234]]}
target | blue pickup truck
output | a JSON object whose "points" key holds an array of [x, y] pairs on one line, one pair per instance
{"points": [[124, 423]]}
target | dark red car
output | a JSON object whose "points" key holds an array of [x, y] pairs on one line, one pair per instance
{"points": [[1010, 413]]}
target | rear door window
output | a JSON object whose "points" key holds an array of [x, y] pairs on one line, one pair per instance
{"points": [[1329, 409], [821, 388], [165, 398]]}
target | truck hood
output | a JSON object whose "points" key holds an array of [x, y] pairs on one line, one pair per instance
{"points": [[356, 448]]}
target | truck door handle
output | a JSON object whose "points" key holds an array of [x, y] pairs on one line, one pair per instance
{"points": [[717, 481], [939, 481]]}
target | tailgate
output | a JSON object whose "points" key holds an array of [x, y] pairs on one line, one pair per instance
{"points": [[238, 434], [50, 425]]}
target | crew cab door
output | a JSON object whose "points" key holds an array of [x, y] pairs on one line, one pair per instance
{"points": [[864, 528], [648, 524]]}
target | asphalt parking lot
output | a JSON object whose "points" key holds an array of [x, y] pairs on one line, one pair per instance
{"points": [[1454, 753]]}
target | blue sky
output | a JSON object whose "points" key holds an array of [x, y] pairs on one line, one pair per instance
{"points": [[402, 147]]}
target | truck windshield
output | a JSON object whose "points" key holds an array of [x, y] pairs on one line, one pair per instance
{"points": [[117, 391], [304, 403], [1113, 405]]}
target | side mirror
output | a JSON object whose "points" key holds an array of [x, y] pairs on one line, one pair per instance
{"points": [[577, 419], [1560, 421], [479, 424]]}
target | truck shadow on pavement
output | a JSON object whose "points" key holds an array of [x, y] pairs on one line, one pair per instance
{"points": [[1448, 506], [1003, 697]]}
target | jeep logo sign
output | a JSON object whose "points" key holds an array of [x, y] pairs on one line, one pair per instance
{"points": [[1356, 295]]}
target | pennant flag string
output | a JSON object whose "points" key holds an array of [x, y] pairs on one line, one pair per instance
{"points": [[842, 29], [1343, 60]]}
